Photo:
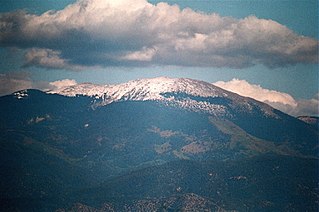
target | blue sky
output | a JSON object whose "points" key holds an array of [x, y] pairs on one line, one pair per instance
{"points": [[272, 43]]}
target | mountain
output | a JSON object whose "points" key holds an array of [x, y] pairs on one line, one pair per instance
{"points": [[205, 98], [153, 144]]}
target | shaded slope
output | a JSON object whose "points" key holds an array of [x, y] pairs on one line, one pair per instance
{"points": [[261, 183]]}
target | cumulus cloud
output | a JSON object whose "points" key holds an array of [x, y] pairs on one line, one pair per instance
{"points": [[279, 100], [16, 81], [47, 58], [143, 55], [44, 58], [63, 83], [243, 88], [307, 107], [125, 32]]}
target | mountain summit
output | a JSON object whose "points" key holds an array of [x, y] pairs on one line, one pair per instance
{"points": [[144, 89], [185, 93]]}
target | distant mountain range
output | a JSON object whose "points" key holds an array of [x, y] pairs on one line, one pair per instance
{"points": [[157, 144]]}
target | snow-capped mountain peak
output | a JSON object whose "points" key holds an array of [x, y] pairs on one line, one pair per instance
{"points": [[165, 90], [143, 89]]}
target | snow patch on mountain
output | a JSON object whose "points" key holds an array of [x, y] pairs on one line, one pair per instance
{"points": [[21, 94]]}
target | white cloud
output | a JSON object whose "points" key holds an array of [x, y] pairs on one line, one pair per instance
{"points": [[47, 58], [44, 58], [243, 88], [16, 81], [307, 107], [107, 33], [63, 83], [143, 55], [279, 100]]}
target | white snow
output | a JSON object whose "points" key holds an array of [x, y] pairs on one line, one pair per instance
{"points": [[20, 94], [143, 89]]}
